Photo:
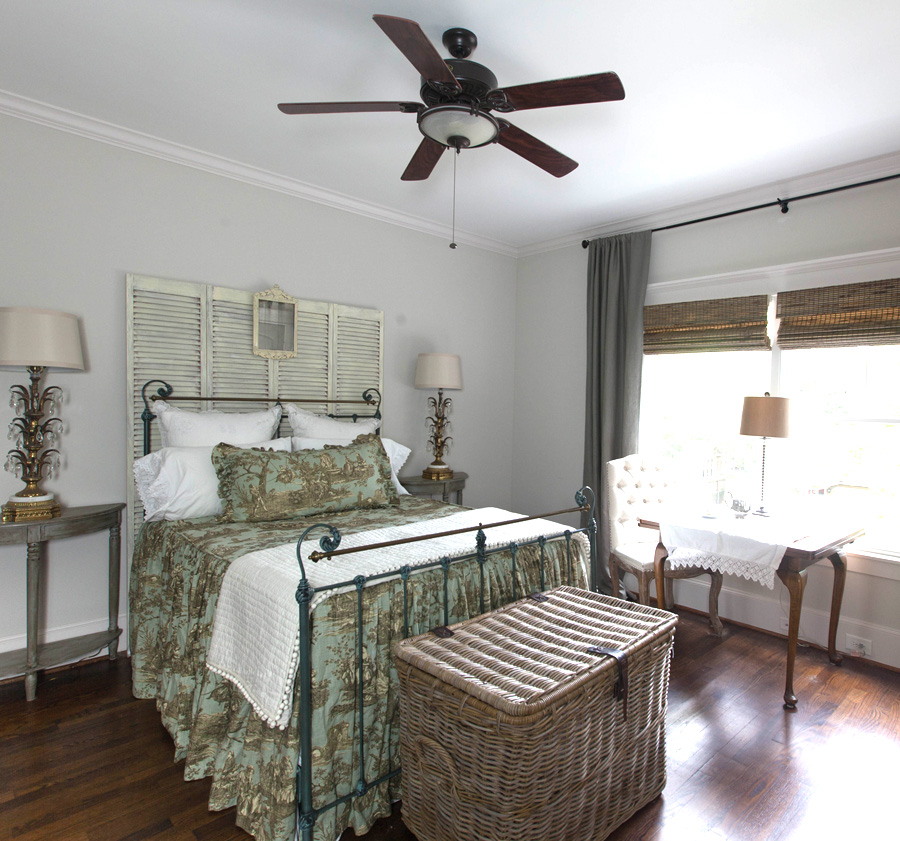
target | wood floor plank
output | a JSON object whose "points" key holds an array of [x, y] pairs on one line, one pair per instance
{"points": [[86, 761]]}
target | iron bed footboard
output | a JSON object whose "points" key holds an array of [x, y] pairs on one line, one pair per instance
{"points": [[329, 543]]}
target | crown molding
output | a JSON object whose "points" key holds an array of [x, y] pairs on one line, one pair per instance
{"points": [[826, 179], [50, 116], [73, 123], [824, 271]]}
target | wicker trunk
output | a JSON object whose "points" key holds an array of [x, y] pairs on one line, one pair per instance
{"points": [[521, 726]]}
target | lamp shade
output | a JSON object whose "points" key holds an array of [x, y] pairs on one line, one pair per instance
{"points": [[438, 370], [765, 417], [39, 338]]}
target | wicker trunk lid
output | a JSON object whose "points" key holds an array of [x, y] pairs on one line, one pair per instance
{"points": [[544, 719]]}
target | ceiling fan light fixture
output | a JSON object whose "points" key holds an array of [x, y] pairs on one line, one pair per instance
{"points": [[458, 126]]}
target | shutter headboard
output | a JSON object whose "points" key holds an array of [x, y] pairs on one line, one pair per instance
{"points": [[198, 338]]}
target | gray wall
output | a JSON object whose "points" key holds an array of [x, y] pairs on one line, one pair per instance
{"points": [[76, 215], [818, 242]]}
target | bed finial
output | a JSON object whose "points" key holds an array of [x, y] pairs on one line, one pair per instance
{"points": [[164, 391]]}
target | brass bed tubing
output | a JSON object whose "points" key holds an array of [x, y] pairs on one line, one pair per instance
{"points": [[316, 556], [155, 397]]}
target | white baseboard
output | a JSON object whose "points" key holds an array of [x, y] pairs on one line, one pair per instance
{"points": [[768, 611]]}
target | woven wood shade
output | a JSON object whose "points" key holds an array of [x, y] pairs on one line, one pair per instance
{"points": [[840, 316], [699, 326]]}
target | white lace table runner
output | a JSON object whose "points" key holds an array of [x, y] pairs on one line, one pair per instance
{"points": [[255, 637], [752, 549]]}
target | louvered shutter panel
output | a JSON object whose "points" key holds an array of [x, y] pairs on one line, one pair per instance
{"points": [[166, 336], [357, 347], [305, 376], [235, 369]]}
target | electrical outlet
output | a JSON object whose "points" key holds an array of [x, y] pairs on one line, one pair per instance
{"points": [[859, 647]]}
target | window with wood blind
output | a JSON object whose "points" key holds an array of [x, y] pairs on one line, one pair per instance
{"points": [[199, 339], [837, 358], [849, 315], [721, 324]]}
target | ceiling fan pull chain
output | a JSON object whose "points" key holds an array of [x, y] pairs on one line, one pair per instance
{"points": [[453, 234]]}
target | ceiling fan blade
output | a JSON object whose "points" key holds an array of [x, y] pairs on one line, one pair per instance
{"points": [[348, 107], [600, 87], [423, 161], [534, 150], [409, 38]]}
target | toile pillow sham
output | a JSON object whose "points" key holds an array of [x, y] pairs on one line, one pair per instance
{"points": [[258, 486], [397, 453]]}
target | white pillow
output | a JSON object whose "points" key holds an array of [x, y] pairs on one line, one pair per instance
{"points": [[306, 424], [397, 454], [182, 428], [178, 483]]}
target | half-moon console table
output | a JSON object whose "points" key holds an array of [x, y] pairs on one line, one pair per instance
{"points": [[35, 533]]}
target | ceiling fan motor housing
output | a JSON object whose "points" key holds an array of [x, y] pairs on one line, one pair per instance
{"points": [[476, 81]]}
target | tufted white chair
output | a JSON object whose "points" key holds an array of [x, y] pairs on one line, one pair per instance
{"points": [[637, 487]]}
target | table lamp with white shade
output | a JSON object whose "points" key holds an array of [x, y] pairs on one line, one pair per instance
{"points": [[36, 339], [440, 371], [765, 417]]}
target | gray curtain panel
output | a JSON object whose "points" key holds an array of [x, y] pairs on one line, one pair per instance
{"points": [[618, 267]]}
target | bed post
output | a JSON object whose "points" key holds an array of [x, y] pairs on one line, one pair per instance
{"points": [[306, 814], [147, 416], [585, 498]]}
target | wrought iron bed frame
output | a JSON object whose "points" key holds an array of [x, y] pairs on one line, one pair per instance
{"points": [[329, 544]]}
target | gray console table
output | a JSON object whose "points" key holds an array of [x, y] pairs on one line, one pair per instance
{"points": [[34, 534], [420, 486]]}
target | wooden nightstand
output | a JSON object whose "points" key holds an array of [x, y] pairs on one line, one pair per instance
{"points": [[35, 533], [420, 486]]}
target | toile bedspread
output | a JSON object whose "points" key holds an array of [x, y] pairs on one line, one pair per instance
{"points": [[176, 574]]}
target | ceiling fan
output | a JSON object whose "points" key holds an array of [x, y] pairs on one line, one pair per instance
{"points": [[458, 96]]}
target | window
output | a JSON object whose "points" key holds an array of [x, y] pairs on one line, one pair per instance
{"points": [[841, 370], [845, 443], [690, 415]]}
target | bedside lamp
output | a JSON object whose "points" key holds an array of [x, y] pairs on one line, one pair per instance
{"points": [[440, 371], [36, 339], [764, 417]]}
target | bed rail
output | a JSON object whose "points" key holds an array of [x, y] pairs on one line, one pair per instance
{"points": [[370, 397], [329, 544]]}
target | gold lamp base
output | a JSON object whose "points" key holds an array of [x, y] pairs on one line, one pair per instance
{"points": [[27, 509], [437, 472]]}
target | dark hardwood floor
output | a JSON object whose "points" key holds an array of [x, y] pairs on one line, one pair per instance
{"points": [[87, 762]]}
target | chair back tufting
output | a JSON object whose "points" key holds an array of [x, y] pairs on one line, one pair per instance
{"points": [[636, 486]]}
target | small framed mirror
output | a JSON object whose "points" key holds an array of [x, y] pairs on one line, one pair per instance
{"points": [[274, 324]]}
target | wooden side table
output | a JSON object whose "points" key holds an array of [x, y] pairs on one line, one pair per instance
{"points": [[73, 521], [420, 486]]}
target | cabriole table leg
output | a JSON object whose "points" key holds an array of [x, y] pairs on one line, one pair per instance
{"points": [[796, 584], [839, 562]]}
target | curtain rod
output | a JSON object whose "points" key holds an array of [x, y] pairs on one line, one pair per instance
{"points": [[782, 203]]}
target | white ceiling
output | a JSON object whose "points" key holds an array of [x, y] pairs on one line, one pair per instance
{"points": [[719, 97]]}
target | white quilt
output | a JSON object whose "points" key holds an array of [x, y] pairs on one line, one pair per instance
{"points": [[255, 638]]}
